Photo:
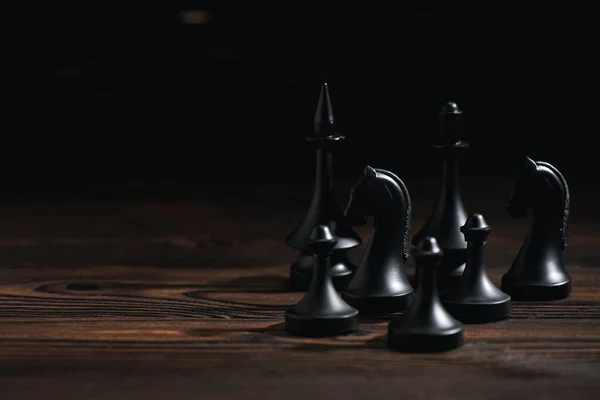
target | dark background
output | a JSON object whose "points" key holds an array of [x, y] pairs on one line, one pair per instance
{"points": [[143, 94]]}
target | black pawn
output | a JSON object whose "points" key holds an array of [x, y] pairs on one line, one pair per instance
{"points": [[449, 213], [426, 326], [323, 209], [476, 299], [321, 312]]}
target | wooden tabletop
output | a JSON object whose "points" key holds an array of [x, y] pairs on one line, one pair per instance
{"points": [[106, 296]]}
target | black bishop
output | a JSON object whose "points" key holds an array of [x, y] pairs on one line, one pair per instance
{"points": [[449, 213], [323, 209]]}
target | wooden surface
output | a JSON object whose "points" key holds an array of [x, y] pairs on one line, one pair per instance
{"points": [[107, 298]]}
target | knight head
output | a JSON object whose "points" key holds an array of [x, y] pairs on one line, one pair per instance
{"points": [[383, 195], [521, 196], [361, 204]]}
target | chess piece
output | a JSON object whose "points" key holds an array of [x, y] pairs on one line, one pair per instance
{"points": [[379, 286], [321, 312], [323, 209], [476, 299], [426, 326], [539, 272], [449, 213]]}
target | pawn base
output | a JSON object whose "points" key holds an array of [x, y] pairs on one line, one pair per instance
{"points": [[308, 326], [420, 342], [478, 313], [529, 292], [342, 271], [379, 306]]}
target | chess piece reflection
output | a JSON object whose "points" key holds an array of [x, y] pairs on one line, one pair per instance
{"points": [[323, 209]]}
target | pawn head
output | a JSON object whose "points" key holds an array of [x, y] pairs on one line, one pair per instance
{"points": [[522, 194], [475, 228], [321, 241], [428, 246]]}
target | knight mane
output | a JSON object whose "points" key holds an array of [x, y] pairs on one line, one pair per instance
{"points": [[567, 198], [408, 215]]}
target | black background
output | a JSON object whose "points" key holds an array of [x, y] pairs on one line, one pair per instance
{"points": [[140, 94]]}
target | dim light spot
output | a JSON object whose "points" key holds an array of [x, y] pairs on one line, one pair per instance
{"points": [[194, 17]]}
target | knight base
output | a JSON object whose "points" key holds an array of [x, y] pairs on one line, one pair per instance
{"points": [[529, 292], [378, 307]]}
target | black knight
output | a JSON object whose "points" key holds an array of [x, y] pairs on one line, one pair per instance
{"points": [[379, 286], [539, 272]]}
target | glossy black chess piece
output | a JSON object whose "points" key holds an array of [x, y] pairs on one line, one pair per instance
{"points": [[539, 273], [426, 326], [476, 299], [323, 209], [449, 213], [379, 286], [321, 312]]}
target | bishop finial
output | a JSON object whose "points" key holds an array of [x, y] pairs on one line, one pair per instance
{"points": [[450, 120], [324, 119], [475, 222], [450, 108]]}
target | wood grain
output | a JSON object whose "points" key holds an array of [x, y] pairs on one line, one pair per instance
{"points": [[155, 300]]}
